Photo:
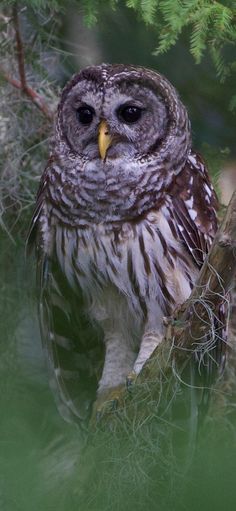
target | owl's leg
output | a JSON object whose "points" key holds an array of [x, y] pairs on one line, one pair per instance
{"points": [[153, 331], [150, 340], [119, 360]]}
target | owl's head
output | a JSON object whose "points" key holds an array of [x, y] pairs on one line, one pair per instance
{"points": [[112, 112], [121, 135]]}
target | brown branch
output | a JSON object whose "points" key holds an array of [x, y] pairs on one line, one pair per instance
{"points": [[19, 49], [10, 79], [22, 83], [31, 93]]}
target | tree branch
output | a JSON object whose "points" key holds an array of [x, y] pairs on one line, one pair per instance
{"points": [[22, 83], [19, 49]]}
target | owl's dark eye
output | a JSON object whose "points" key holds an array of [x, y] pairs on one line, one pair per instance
{"points": [[85, 114], [129, 113]]}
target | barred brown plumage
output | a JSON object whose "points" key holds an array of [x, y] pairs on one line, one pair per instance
{"points": [[120, 239]]}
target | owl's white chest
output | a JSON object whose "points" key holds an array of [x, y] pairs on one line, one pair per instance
{"points": [[133, 276]]}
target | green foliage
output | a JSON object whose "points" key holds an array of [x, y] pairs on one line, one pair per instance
{"points": [[49, 59], [92, 8], [24, 130], [34, 4], [216, 160], [146, 8], [232, 104], [211, 26]]}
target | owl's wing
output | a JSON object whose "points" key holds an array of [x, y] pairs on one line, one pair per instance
{"points": [[74, 350], [194, 208], [194, 204], [73, 347]]}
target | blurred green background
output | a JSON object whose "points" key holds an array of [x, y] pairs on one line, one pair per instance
{"points": [[45, 463]]}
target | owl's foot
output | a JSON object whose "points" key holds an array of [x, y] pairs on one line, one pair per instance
{"points": [[108, 401], [130, 380]]}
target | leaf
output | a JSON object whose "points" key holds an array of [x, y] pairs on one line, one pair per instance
{"points": [[198, 39], [222, 70], [232, 104]]}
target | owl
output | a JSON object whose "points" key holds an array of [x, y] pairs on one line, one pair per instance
{"points": [[124, 217]]}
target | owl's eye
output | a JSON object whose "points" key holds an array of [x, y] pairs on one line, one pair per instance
{"points": [[129, 113], [85, 114]]}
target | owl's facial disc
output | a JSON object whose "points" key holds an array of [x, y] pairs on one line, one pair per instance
{"points": [[114, 121]]}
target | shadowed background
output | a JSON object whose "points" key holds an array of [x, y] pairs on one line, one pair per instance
{"points": [[46, 463]]}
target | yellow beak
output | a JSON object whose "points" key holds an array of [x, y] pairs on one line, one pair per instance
{"points": [[104, 139]]}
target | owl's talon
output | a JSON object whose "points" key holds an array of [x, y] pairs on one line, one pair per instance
{"points": [[107, 402], [130, 380], [114, 404]]}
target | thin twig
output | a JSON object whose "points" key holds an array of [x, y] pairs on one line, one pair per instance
{"points": [[31, 93], [22, 83], [19, 49], [9, 79]]}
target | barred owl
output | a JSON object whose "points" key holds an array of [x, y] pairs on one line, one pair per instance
{"points": [[125, 215]]}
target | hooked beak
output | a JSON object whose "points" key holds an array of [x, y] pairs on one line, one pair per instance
{"points": [[104, 139]]}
